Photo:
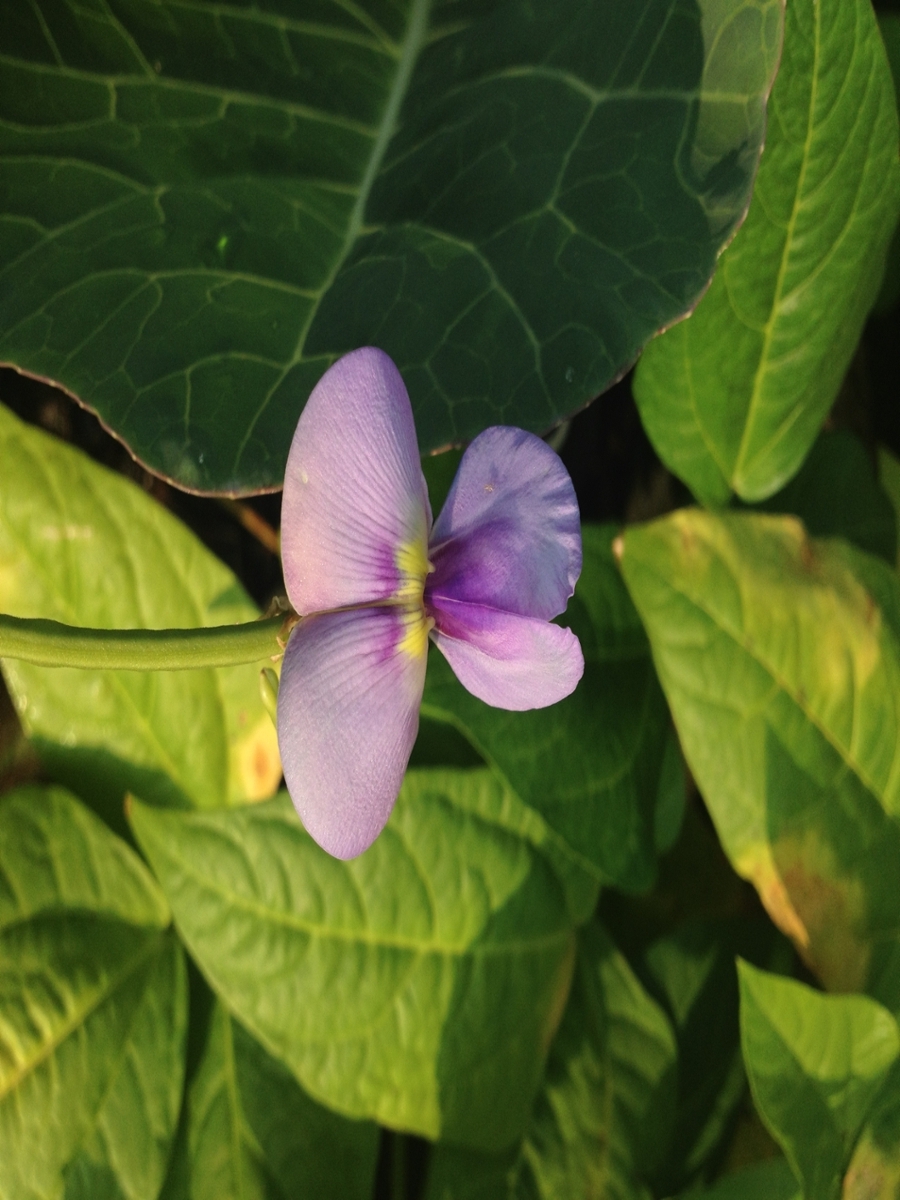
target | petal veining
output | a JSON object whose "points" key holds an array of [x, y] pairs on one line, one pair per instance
{"points": [[505, 659], [348, 712], [509, 535], [355, 505]]}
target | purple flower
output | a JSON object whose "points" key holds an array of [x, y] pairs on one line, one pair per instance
{"points": [[373, 581]]}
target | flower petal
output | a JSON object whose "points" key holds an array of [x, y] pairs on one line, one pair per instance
{"points": [[354, 495], [508, 660], [509, 535], [348, 712]]}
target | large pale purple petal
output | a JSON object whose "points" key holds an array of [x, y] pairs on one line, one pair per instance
{"points": [[353, 488], [348, 712], [509, 535], [505, 659]]}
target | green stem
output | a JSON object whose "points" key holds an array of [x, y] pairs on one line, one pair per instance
{"points": [[52, 644]]}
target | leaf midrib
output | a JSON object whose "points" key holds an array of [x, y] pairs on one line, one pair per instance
{"points": [[298, 924]]}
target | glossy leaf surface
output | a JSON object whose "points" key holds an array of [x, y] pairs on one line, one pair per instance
{"points": [[94, 1008], [254, 1134], [733, 397], [816, 1065], [590, 767], [780, 658], [605, 1106], [203, 207], [81, 545], [427, 1004]]}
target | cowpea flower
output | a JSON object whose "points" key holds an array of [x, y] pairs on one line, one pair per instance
{"points": [[373, 581]]}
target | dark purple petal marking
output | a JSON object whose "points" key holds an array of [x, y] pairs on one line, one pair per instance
{"points": [[509, 535]]}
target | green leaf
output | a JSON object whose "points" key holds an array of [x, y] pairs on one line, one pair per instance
{"points": [[419, 984], [692, 971], [254, 1134], [203, 207], [733, 397], [606, 1104], [93, 997], [85, 546], [816, 1064], [595, 768], [836, 494], [780, 658], [772, 1180]]}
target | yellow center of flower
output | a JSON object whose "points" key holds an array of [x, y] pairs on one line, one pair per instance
{"points": [[412, 563]]}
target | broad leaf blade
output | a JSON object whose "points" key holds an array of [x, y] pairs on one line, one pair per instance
{"points": [[82, 545], [733, 397], [592, 768], [255, 1135], [780, 658], [606, 1104], [204, 207], [816, 1064], [94, 1005], [418, 984]]}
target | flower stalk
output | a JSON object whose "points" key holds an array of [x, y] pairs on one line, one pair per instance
{"points": [[52, 644]]}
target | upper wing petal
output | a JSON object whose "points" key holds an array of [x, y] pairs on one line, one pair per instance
{"points": [[354, 496], [509, 535], [507, 660], [348, 712]]}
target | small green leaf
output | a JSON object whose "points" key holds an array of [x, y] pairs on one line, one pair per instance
{"points": [[591, 768], [254, 1134], [780, 658], [419, 984], [94, 1001], [816, 1064], [606, 1104], [82, 545], [203, 207], [733, 397]]}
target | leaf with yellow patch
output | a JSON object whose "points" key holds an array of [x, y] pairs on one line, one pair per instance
{"points": [[780, 657]]}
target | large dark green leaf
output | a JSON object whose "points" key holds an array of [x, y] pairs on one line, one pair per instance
{"points": [[202, 205], [780, 657], [93, 1009], [419, 984], [816, 1065], [594, 768], [254, 1134], [82, 545], [734, 397], [606, 1105]]}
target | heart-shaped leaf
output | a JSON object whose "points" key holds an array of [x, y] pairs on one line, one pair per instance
{"points": [[202, 207], [419, 984], [780, 658]]}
